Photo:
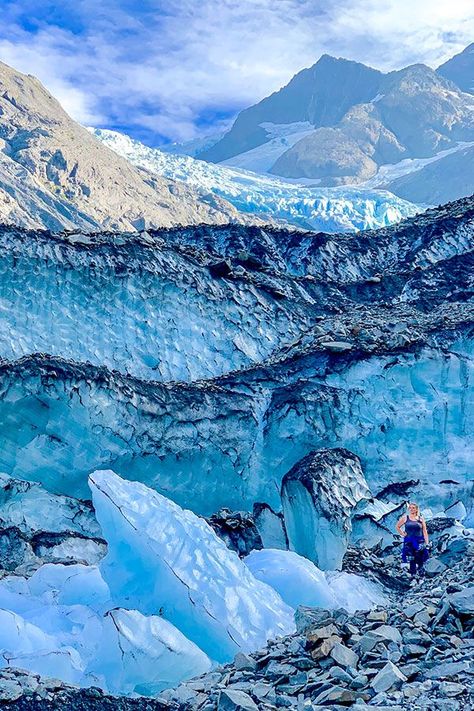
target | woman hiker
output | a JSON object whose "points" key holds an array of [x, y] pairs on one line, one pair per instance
{"points": [[415, 540]]}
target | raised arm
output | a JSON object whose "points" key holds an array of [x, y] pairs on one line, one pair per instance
{"points": [[425, 531], [401, 522]]}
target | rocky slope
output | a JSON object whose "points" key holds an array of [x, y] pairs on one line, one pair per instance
{"points": [[460, 69], [54, 174]]}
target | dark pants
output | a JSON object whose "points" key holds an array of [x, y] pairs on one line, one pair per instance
{"points": [[415, 553], [416, 563]]}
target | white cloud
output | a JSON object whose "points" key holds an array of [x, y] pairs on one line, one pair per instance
{"points": [[163, 67]]}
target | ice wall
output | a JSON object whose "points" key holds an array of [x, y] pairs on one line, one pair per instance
{"points": [[230, 443]]}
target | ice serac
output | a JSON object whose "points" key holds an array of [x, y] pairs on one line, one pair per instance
{"points": [[39, 527], [165, 560], [318, 496]]}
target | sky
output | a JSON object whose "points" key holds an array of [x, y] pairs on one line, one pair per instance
{"points": [[175, 70]]}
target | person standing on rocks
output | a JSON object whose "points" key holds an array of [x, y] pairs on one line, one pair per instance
{"points": [[415, 540]]}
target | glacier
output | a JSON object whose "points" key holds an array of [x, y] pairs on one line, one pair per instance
{"points": [[308, 207], [95, 286], [229, 442], [320, 343]]}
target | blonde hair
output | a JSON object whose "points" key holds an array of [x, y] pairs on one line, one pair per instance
{"points": [[411, 503]]}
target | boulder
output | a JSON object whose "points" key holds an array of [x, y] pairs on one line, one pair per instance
{"points": [[434, 566], [344, 656], [388, 677], [463, 601], [234, 700]]}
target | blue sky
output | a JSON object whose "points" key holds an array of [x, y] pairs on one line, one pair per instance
{"points": [[174, 70]]}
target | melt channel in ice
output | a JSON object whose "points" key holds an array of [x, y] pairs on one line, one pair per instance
{"points": [[165, 560]]}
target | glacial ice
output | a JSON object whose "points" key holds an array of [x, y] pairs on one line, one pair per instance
{"points": [[300, 582], [29, 507], [165, 560], [327, 209], [295, 578], [144, 655], [354, 592], [319, 495], [61, 622], [189, 326], [230, 443]]}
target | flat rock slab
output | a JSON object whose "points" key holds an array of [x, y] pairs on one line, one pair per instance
{"points": [[230, 700], [447, 670], [388, 677]]}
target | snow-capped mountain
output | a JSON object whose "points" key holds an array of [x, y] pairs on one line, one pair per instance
{"points": [[307, 206], [343, 123]]}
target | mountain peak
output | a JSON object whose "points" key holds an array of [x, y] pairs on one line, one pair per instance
{"points": [[460, 69]]}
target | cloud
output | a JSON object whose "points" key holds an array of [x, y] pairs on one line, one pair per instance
{"points": [[166, 70]]}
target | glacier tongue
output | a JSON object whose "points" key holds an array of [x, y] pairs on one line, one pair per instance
{"points": [[165, 560], [328, 209]]}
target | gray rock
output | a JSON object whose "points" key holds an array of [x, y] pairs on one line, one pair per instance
{"points": [[235, 701], [244, 662], [446, 670], [434, 566], [10, 690], [451, 688], [387, 632], [338, 693], [337, 673], [463, 601], [308, 617], [387, 678], [344, 656]]}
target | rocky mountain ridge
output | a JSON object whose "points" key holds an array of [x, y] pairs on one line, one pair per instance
{"points": [[54, 173]]}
